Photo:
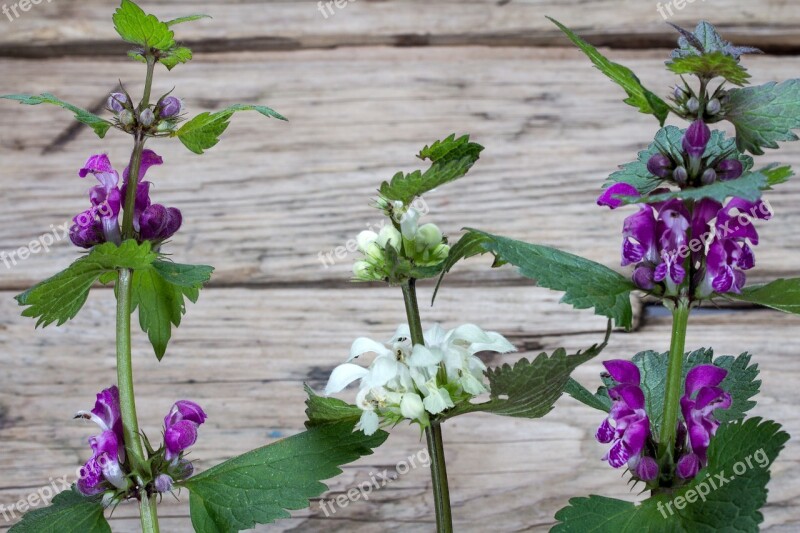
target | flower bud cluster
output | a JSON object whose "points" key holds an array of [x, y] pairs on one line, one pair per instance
{"points": [[161, 117]]}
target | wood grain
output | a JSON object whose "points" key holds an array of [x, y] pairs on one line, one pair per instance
{"points": [[246, 364], [272, 197], [293, 25]]}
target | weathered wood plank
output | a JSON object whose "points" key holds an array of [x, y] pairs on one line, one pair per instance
{"points": [[246, 362], [84, 28], [273, 198]]}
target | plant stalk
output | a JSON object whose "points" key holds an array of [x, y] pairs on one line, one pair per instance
{"points": [[674, 385], [433, 433]]}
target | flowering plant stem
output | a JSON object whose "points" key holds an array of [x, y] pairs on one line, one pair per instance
{"points": [[130, 423], [433, 433], [680, 321]]}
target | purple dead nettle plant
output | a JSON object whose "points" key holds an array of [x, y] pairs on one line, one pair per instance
{"points": [[123, 233]]}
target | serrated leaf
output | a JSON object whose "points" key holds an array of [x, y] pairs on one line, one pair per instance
{"points": [[638, 96], [777, 174], [529, 389], [669, 140], [709, 66], [260, 486], [188, 18], [159, 293], [60, 298], [203, 131], [99, 125], [586, 284], [69, 512], [176, 56], [600, 400], [321, 410], [764, 115], [729, 506], [452, 158], [137, 27], [706, 40], [781, 294]]}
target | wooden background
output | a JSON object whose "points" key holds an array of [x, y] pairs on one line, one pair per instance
{"points": [[364, 90]]}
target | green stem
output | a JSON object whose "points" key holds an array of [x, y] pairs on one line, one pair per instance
{"points": [[127, 402], [433, 433], [133, 185], [674, 385], [148, 83]]}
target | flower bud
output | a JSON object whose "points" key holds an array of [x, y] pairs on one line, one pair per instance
{"points": [[158, 223], [146, 117], [362, 270], [389, 235], [163, 483], [693, 105], [409, 223], [169, 107], [680, 94], [708, 177], [428, 236], [373, 251], [680, 175], [643, 277], [180, 469], [365, 238], [696, 138], [713, 107], [647, 469], [688, 466], [117, 102], [126, 117], [729, 169], [660, 165]]}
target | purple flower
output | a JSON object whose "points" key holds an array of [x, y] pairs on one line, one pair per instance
{"points": [[609, 196], [627, 425], [169, 107], [646, 469], [163, 483], [696, 138], [181, 424], [158, 223], [702, 396], [660, 165], [688, 466], [106, 198], [729, 169], [104, 469], [639, 237], [86, 231]]}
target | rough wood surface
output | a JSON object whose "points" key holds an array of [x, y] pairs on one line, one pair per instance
{"points": [[364, 90], [292, 25]]}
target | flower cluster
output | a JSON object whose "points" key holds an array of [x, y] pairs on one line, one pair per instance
{"points": [[107, 469], [628, 428], [703, 244], [100, 223], [159, 118], [419, 246], [413, 382]]}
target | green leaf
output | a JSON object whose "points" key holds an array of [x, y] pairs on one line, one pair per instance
{"points": [[529, 389], [159, 294], [69, 512], [709, 66], [203, 131], [747, 187], [188, 18], [639, 97], [260, 486], [669, 140], [321, 410], [176, 56], [764, 115], [586, 284], [60, 298], [99, 125], [137, 27], [740, 453], [452, 158], [777, 174], [741, 382], [600, 400], [706, 40], [781, 294]]}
